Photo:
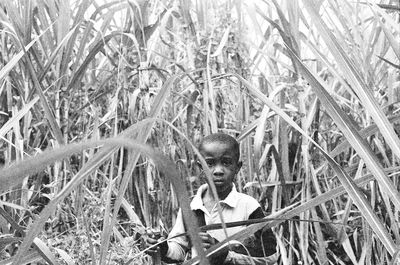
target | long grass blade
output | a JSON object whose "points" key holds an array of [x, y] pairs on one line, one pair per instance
{"points": [[363, 150], [38, 163], [44, 251], [13, 62], [17, 117], [347, 182], [352, 74], [364, 133]]}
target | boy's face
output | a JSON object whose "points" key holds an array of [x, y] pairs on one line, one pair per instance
{"points": [[223, 163]]}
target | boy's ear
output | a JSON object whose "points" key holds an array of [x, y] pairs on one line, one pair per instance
{"points": [[240, 164], [199, 164]]}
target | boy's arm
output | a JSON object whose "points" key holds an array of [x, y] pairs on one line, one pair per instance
{"points": [[174, 249], [261, 247], [177, 247], [265, 241], [234, 258], [172, 252]]}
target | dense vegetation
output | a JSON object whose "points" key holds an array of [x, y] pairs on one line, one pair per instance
{"points": [[310, 88]]}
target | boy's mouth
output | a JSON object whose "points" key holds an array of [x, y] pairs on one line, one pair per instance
{"points": [[218, 181]]}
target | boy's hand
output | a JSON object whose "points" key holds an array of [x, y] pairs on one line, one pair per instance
{"points": [[208, 241], [152, 239]]}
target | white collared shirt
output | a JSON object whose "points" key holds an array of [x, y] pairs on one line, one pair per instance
{"points": [[235, 207]]}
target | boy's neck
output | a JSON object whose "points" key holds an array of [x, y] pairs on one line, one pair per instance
{"points": [[221, 194]]}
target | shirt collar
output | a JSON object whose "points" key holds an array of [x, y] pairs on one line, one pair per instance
{"points": [[231, 200]]}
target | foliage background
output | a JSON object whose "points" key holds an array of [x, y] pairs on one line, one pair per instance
{"points": [[310, 88]]}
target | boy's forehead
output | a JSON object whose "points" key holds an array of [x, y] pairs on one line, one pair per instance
{"points": [[217, 147]]}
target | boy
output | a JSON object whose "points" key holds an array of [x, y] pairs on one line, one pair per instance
{"points": [[221, 153]]}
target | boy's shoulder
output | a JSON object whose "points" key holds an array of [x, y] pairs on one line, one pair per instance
{"points": [[246, 197], [247, 201]]}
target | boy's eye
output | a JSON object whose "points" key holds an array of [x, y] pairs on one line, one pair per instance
{"points": [[210, 162], [227, 162]]}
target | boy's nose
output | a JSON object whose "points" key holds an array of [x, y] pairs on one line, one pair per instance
{"points": [[218, 170]]}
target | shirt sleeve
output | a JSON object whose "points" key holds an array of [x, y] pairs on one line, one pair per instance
{"points": [[264, 238], [178, 246], [261, 247]]}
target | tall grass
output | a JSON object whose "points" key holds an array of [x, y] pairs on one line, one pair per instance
{"points": [[103, 104]]}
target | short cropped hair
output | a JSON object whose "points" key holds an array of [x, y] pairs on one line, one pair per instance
{"points": [[222, 138]]}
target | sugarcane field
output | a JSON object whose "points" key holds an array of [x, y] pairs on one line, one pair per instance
{"points": [[209, 132]]}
